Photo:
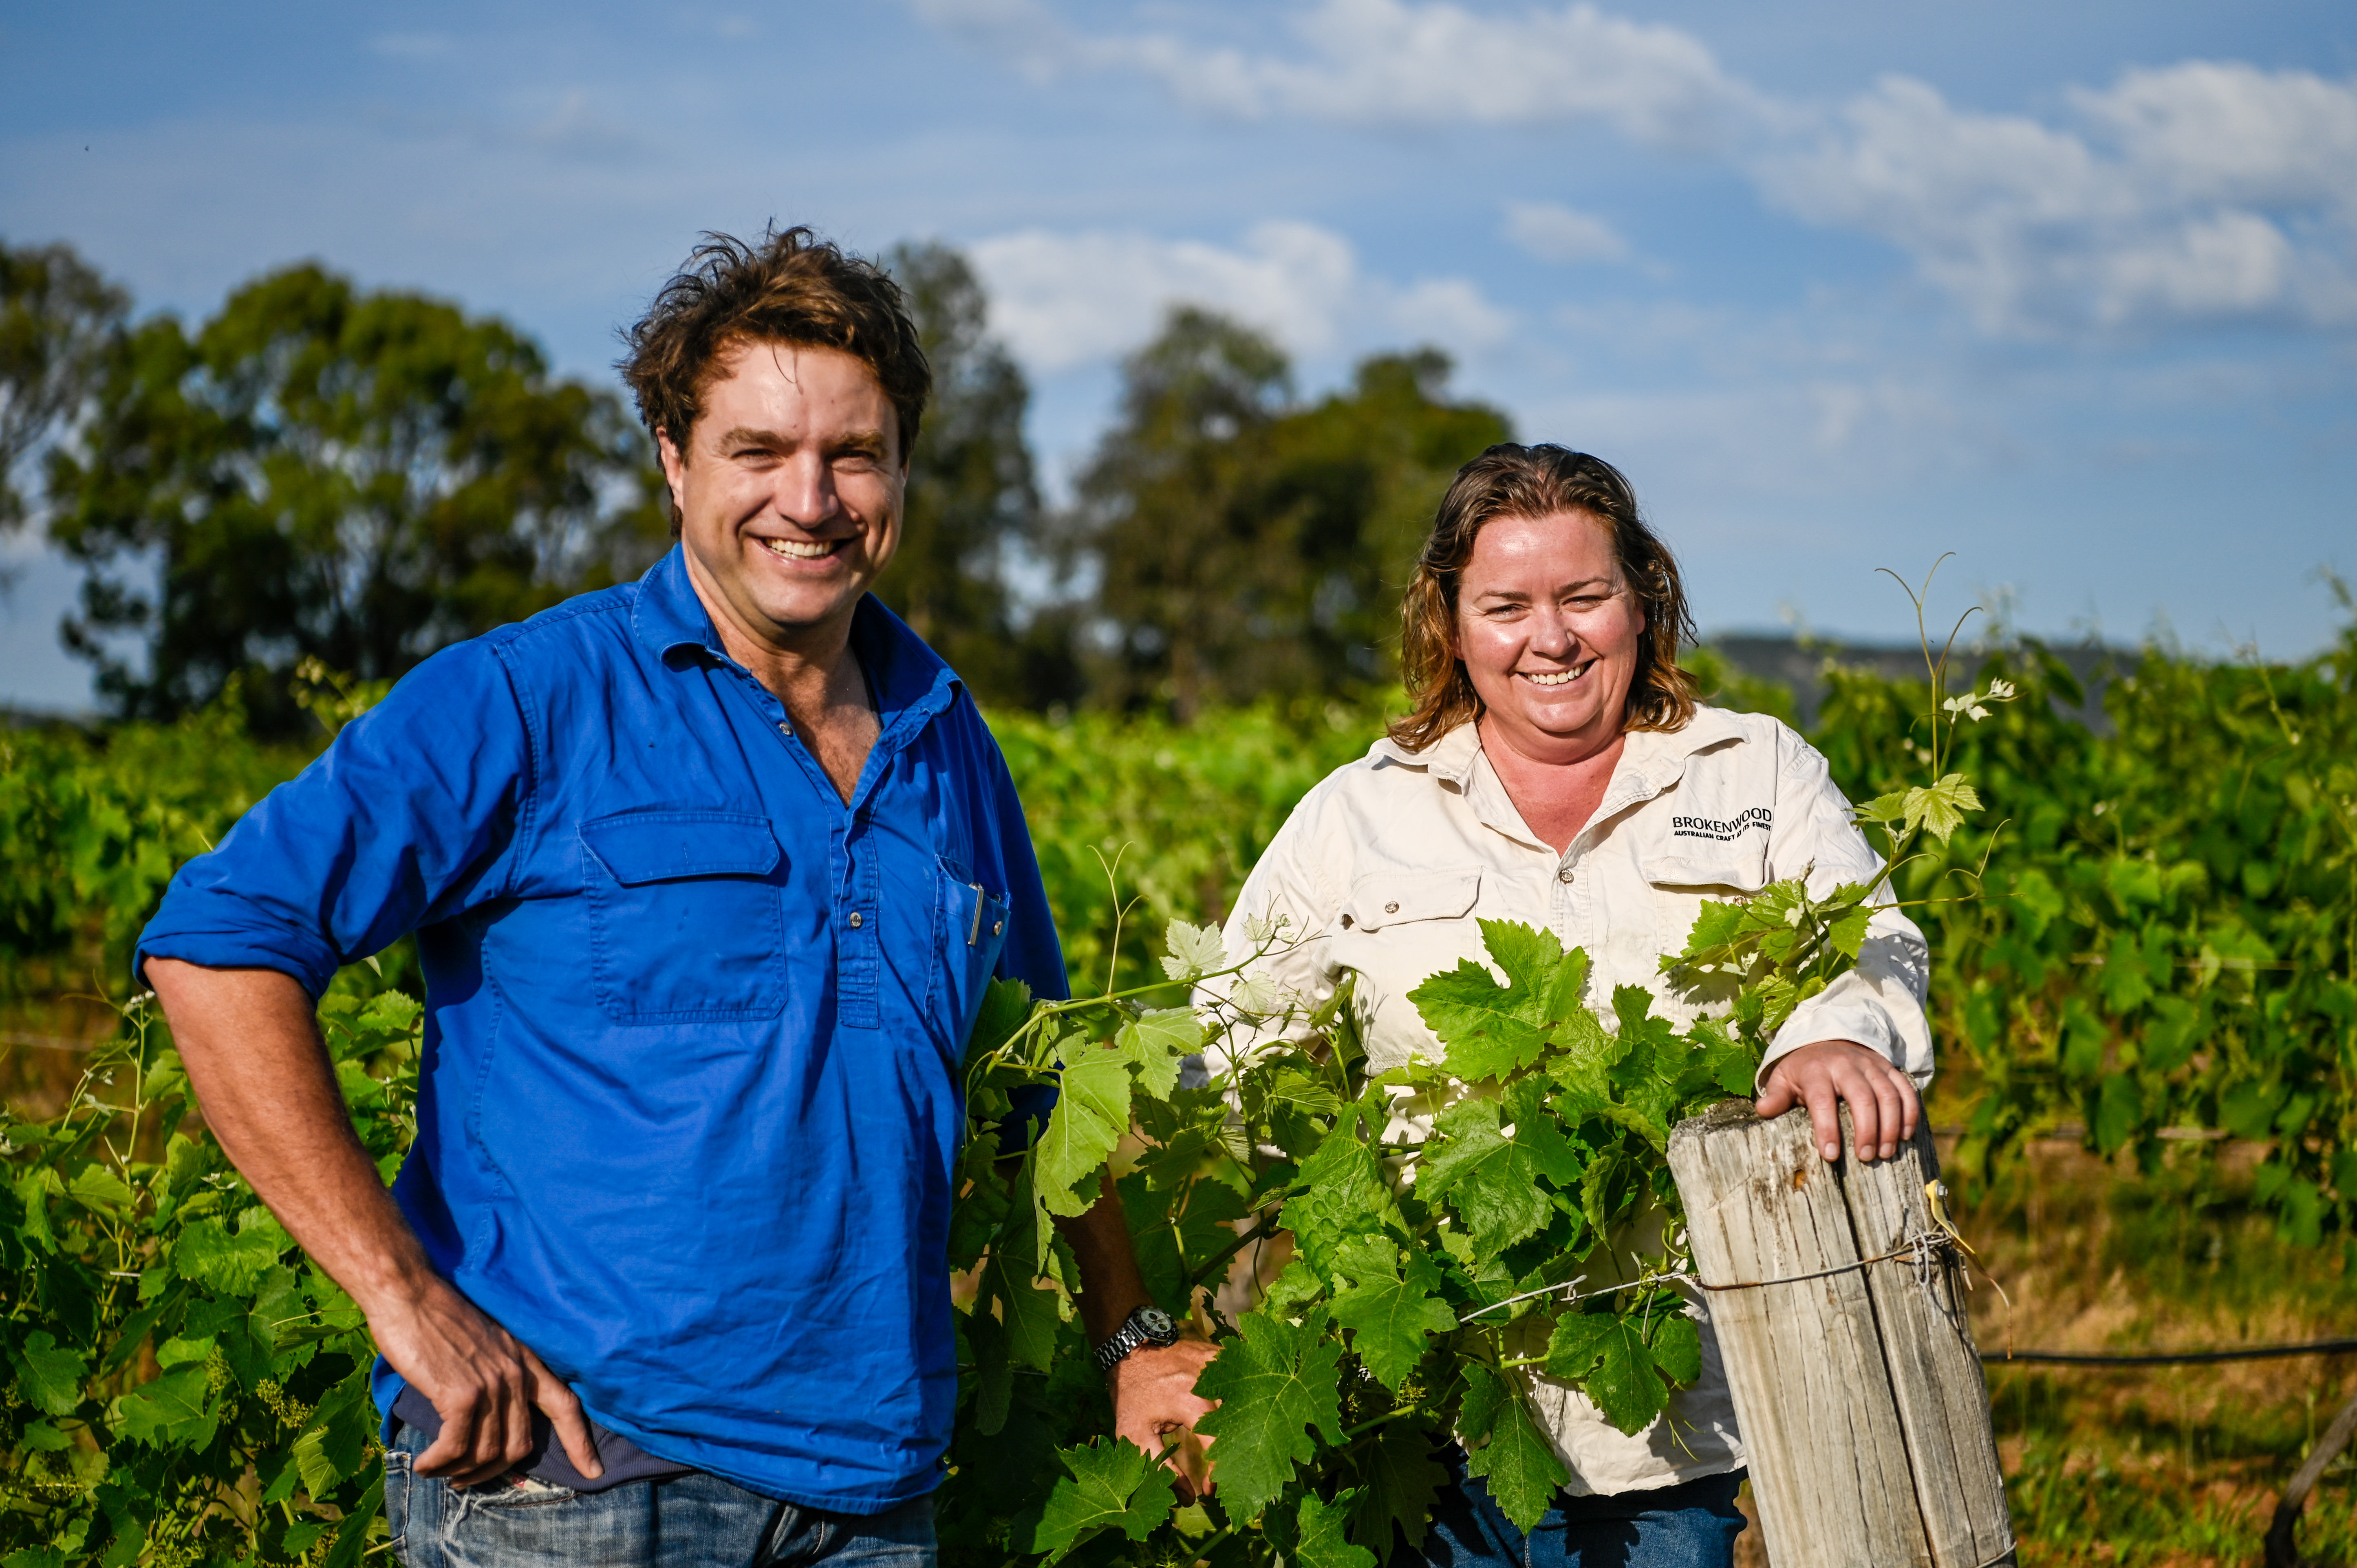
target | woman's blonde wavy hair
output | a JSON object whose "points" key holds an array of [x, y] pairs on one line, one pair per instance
{"points": [[1507, 480]]}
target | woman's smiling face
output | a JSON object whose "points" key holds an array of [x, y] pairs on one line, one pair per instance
{"points": [[1548, 632]]}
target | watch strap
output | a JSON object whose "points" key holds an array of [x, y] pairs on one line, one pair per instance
{"points": [[1132, 1333]]}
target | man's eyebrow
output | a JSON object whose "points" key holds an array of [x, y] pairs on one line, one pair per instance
{"points": [[746, 435]]}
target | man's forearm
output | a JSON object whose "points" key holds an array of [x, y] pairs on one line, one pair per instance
{"points": [[251, 1044], [251, 1047], [1110, 1286]]}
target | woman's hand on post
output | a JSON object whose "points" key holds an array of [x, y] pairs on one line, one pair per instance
{"points": [[1883, 1104]]}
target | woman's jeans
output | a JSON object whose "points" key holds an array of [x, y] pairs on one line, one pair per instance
{"points": [[682, 1521], [1691, 1525]]}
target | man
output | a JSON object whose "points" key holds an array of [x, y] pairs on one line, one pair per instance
{"points": [[708, 874]]}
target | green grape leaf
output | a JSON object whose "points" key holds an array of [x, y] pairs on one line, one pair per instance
{"points": [[1581, 1063], [101, 1190], [1567, 993], [984, 1338], [1393, 1319], [1402, 1483], [1886, 809], [1845, 932], [1717, 1059], [1194, 951], [1677, 1343], [1322, 1544], [230, 1264], [1482, 1027], [1492, 1031], [1159, 1040], [1342, 1194], [48, 1377], [168, 1412], [1006, 1007], [1486, 1394], [1274, 1383], [1941, 806], [1491, 1181], [1652, 1063], [1521, 1469], [1110, 1484], [352, 1533], [1091, 1116], [1607, 1357]]}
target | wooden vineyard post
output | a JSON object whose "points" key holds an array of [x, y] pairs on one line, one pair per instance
{"points": [[1858, 1391]]}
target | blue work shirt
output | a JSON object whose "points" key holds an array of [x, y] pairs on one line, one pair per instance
{"points": [[689, 1100]]}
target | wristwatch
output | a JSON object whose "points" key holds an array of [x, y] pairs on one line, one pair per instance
{"points": [[1147, 1325]]}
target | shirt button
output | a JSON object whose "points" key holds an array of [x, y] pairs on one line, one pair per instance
{"points": [[1564, 874], [857, 919], [1391, 908], [996, 927]]}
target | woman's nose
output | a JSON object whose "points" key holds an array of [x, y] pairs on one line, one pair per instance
{"points": [[1551, 631]]}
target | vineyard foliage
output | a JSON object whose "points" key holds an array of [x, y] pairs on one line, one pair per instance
{"points": [[2166, 942]]}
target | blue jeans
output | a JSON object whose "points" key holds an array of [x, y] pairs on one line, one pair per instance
{"points": [[680, 1521], [1691, 1525]]}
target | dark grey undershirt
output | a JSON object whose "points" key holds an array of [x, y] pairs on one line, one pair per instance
{"points": [[548, 1463]]}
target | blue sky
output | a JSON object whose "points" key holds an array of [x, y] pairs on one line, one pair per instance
{"points": [[2070, 290]]}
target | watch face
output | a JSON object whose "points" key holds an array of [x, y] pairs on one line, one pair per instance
{"points": [[1157, 1324]]}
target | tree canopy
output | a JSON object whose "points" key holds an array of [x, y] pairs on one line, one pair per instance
{"points": [[57, 316], [973, 497], [1245, 544], [321, 471]]}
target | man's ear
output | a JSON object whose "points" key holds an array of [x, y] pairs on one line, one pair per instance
{"points": [[674, 463]]}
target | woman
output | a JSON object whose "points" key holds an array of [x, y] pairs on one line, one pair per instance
{"points": [[1558, 771]]}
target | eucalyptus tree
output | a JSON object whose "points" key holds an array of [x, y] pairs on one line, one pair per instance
{"points": [[325, 472]]}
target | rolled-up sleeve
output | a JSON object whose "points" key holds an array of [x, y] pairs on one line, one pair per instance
{"points": [[1878, 1004], [408, 818]]}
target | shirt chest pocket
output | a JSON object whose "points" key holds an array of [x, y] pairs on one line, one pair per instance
{"points": [[1394, 921], [969, 932], [687, 921], [1683, 878]]}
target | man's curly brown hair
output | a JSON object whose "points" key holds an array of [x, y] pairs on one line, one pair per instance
{"points": [[793, 287]]}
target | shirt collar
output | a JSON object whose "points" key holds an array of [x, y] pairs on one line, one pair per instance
{"points": [[909, 679], [1651, 762]]}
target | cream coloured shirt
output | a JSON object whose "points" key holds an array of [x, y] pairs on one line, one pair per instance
{"points": [[1384, 870]]}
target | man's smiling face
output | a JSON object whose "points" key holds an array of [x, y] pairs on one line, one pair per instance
{"points": [[790, 494]]}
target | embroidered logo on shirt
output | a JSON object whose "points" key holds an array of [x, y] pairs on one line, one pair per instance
{"points": [[1712, 828]]}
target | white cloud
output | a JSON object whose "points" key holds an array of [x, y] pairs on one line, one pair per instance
{"points": [[1064, 300], [1554, 232], [1388, 61], [2204, 191], [2200, 193]]}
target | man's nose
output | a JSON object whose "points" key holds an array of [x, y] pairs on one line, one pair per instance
{"points": [[804, 490]]}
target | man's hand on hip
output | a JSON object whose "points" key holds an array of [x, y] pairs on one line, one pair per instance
{"points": [[1154, 1404], [252, 1047], [482, 1381]]}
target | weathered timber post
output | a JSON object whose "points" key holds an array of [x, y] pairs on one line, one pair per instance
{"points": [[1858, 1391]]}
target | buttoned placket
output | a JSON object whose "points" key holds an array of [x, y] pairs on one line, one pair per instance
{"points": [[1572, 902], [853, 875]]}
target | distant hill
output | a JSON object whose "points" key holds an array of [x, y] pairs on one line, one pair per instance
{"points": [[1798, 666]]}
